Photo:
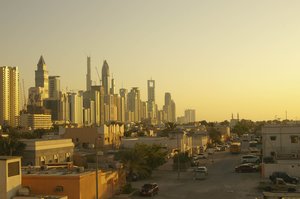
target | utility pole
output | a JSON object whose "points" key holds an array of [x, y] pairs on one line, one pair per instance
{"points": [[178, 163]]}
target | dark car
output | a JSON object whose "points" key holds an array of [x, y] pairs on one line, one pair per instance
{"points": [[149, 189], [284, 176], [246, 168]]}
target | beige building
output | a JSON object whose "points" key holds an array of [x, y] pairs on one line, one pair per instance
{"points": [[9, 95], [10, 176], [199, 141], [35, 121], [42, 151], [106, 136]]}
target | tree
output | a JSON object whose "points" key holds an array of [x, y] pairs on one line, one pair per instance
{"points": [[214, 135], [142, 159], [11, 145]]}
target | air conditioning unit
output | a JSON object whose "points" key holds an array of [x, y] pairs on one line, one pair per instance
{"points": [[24, 191], [295, 155]]}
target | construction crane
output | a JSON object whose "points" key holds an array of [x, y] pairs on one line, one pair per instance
{"points": [[98, 75]]}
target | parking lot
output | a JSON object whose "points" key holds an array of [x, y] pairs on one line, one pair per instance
{"points": [[221, 182]]}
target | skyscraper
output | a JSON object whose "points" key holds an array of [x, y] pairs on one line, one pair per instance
{"points": [[54, 87], [151, 99], [88, 75], [9, 95], [41, 77], [169, 108], [134, 102], [105, 78], [190, 115]]}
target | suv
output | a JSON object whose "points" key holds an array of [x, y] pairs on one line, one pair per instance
{"points": [[149, 189], [284, 176], [250, 159]]}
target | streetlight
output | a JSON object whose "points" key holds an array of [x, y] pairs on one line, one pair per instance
{"points": [[97, 154]]}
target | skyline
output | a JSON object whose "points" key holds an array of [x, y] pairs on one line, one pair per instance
{"points": [[230, 57]]}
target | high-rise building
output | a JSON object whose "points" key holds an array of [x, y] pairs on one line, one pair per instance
{"points": [[190, 115], [113, 87], [9, 95], [41, 77], [105, 78], [124, 105], [151, 99], [76, 108], [88, 75], [169, 108], [134, 102], [54, 87]]}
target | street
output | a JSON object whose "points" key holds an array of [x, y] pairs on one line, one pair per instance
{"points": [[222, 182]]}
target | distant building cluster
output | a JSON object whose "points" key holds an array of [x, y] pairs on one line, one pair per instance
{"points": [[98, 104]]}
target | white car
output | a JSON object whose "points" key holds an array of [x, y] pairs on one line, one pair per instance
{"points": [[202, 169], [250, 159], [202, 155]]}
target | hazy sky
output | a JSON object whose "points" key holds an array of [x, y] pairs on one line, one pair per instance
{"points": [[217, 56]]}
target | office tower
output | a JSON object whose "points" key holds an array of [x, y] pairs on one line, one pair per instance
{"points": [[88, 75], [64, 108], [173, 111], [168, 99], [54, 87], [96, 109], [76, 108], [124, 108], [190, 115], [105, 78], [9, 95], [35, 96], [134, 105], [151, 99], [144, 110], [113, 87], [41, 77]]}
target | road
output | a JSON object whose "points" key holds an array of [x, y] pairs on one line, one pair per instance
{"points": [[222, 181]]}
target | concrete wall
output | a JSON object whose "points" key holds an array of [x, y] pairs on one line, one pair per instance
{"points": [[292, 169]]}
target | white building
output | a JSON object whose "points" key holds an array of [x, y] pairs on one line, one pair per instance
{"points": [[9, 95], [282, 142]]}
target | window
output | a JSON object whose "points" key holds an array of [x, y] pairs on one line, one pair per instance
{"points": [[294, 139], [273, 138], [13, 169], [59, 189]]}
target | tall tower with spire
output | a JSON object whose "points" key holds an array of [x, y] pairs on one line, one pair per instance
{"points": [[105, 78], [88, 75], [41, 77]]}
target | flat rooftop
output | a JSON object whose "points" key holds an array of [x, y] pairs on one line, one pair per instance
{"points": [[9, 157]]}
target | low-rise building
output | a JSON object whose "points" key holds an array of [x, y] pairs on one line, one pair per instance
{"points": [[43, 151], [199, 141], [35, 121], [10, 176], [106, 136], [73, 182], [282, 144]]}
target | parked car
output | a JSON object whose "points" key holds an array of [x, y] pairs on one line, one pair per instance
{"points": [[246, 168], [210, 151], [250, 159], [287, 178], [201, 169], [202, 155], [278, 185], [149, 189], [200, 175]]}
